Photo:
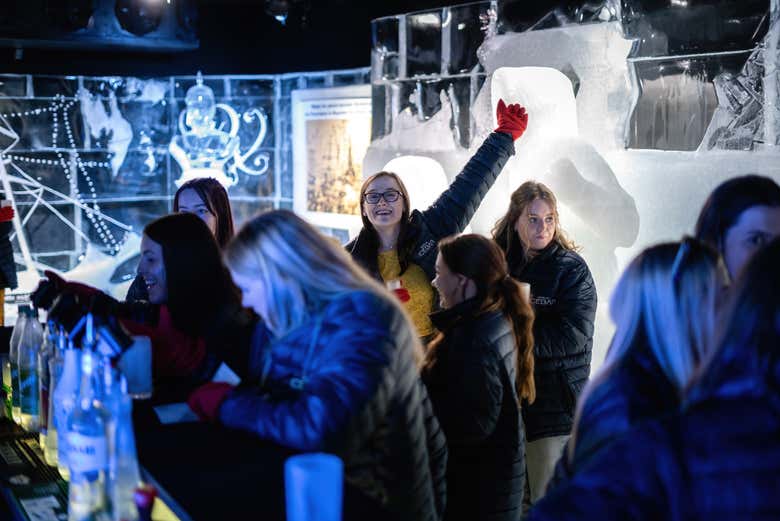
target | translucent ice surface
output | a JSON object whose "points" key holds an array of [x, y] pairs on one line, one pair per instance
{"points": [[615, 128]]}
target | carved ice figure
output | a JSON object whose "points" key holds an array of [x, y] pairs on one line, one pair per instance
{"points": [[423, 177], [107, 123], [432, 139], [202, 148]]}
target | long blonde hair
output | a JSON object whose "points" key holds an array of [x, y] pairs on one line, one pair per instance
{"points": [[300, 270], [504, 231], [666, 298]]}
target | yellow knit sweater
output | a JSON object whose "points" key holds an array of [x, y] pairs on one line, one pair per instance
{"points": [[416, 283]]}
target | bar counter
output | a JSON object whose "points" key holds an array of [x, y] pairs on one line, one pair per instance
{"points": [[202, 472], [207, 472]]}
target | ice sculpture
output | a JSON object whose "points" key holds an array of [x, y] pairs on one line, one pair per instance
{"points": [[423, 177], [640, 83], [107, 123], [203, 147], [748, 111]]}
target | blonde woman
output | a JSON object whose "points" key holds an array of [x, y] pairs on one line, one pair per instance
{"points": [[564, 300], [333, 367], [663, 308]]}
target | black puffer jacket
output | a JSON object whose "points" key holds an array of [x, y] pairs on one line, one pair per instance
{"points": [[472, 386], [448, 215], [564, 300], [346, 382]]}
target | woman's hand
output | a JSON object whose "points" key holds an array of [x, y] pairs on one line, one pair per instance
{"points": [[206, 400], [512, 119]]}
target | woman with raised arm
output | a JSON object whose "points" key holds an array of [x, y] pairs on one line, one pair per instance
{"points": [[398, 244]]}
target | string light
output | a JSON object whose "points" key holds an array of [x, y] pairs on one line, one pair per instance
{"points": [[60, 107]]}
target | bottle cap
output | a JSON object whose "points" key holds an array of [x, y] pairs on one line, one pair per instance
{"points": [[144, 496]]}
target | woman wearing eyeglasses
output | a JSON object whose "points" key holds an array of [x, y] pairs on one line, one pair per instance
{"points": [[398, 244], [663, 308]]}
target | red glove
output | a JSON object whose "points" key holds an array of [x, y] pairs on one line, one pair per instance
{"points": [[402, 294], [6, 214], [206, 400], [512, 120]]}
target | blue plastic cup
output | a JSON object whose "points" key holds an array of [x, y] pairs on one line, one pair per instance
{"points": [[313, 485]]}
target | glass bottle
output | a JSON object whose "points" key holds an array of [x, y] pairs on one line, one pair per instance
{"points": [[65, 395], [45, 354], [124, 475], [13, 360], [87, 444], [56, 364], [29, 345]]}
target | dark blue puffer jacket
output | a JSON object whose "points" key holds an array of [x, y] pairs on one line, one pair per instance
{"points": [[346, 382], [720, 459], [634, 391], [448, 215]]}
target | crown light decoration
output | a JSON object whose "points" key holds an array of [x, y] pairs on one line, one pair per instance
{"points": [[204, 148]]}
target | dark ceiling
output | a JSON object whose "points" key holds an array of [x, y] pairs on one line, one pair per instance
{"points": [[239, 37]]}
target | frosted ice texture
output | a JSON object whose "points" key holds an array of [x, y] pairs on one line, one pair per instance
{"points": [[614, 201], [423, 189], [739, 121]]}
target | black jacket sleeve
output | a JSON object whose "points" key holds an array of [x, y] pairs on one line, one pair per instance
{"points": [[568, 329], [455, 207]]}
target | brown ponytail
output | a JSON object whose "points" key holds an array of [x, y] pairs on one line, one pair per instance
{"points": [[481, 260], [519, 311]]}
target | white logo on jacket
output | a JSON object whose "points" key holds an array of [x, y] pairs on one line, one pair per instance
{"points": [[543, 301], [426, 247]]}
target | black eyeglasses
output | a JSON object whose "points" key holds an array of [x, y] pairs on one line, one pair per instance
{"points": [[390, 196]]}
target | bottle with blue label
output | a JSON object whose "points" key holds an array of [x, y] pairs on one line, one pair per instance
{"points": [[88, 444], [29, 345]]}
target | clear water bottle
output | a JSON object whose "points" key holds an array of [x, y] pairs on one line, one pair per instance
{"points": [[29, 345], [124, 474], [56, 364], [46, 353], [13, 359], [65, 395], [87, 446]]}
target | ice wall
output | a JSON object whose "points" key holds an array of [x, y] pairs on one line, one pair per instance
{"points": [[88, 162], [648, 92]]}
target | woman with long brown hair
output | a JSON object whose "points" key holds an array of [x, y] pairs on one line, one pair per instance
{"points": [[564, 299], [208, 200], [477, 370]]}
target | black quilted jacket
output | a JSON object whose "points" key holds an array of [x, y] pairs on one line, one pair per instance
{"points": [[448, 215], [564, 300], [346, 383], [472, 387]]}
